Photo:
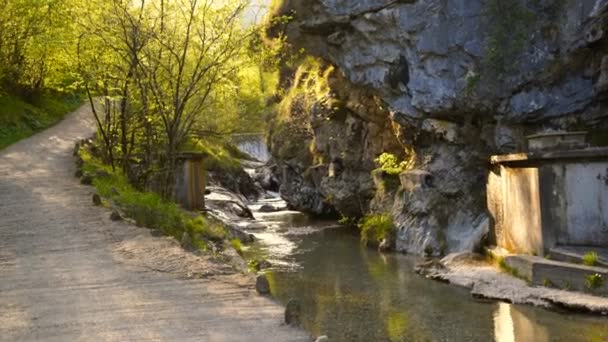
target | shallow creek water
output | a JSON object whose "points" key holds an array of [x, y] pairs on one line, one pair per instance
{"points": [[351, 293]]}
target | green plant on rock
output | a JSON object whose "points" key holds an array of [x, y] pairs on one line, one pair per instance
{"points": [[511, 270], [590, 258], [594, 281], [348, 221], [377, 227], [390, 164], [237, 245]]}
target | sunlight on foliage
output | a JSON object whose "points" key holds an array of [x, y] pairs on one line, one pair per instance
{"points": [[377, 227], [310, 85], [148, 209], [390, 164], [590, 258]]}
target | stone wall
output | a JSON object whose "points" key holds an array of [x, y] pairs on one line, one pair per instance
{"points": [[538, 201]]}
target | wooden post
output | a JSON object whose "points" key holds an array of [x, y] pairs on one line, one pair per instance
{"points": [[190, 192]]}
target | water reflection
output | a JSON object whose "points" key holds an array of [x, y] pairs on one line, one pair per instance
{"points": [[351, 293]]}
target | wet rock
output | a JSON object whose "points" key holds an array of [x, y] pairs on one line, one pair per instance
{"points": [[264, 264], [228, 202], [262, 286], [293, 311], [259, 265], [265, 177], [430, 268], [235, 180], [255, 226], [267, 208], [241, 211], [86, 179], [116, 216], [96, 199]]}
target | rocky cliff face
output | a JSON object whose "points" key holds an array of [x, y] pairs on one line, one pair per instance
{"points": [[442, 83]]}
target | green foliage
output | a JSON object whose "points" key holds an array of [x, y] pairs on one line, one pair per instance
{"points": [[221, 155], [149, 209], [590, 258], [20, 118], [391, 165], [594, 281], [36, 42], [377, 227], [237, 245], [310, 87], [348, 221]]}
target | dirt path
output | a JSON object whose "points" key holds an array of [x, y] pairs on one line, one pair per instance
{"points": [[69, 273]]}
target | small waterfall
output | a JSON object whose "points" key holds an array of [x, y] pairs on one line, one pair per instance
{"points": [[254, 144]]}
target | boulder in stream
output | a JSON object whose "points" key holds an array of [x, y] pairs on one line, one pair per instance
{"points": [[262, 285], [267, 208]]}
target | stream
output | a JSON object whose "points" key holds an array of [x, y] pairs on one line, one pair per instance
{"points": [[351, 293]]}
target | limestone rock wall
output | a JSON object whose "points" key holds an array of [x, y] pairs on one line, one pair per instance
{"points": [[450, 82]]}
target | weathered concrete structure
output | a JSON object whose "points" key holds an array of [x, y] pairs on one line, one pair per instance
{"points": [[542, 199], [191, 180]]}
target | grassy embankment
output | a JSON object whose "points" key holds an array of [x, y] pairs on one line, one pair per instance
{"points": [[150, 210], [20, 119]]}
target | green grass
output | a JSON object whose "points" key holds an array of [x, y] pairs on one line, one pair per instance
{"points": [[149, 209], [20, 119], [590, 259], [375, 228]]}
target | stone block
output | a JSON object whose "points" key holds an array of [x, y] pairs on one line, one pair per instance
{"points": [[559, 274]]}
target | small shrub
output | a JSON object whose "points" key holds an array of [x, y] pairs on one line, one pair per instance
{"points": [[348, 221], [237, 245], [375, 228], [594, 281], [590, 258], [215, 232], [390, 164]]}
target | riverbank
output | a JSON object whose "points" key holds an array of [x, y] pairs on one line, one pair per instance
{"points": [[485, 280], [69, 271]]}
